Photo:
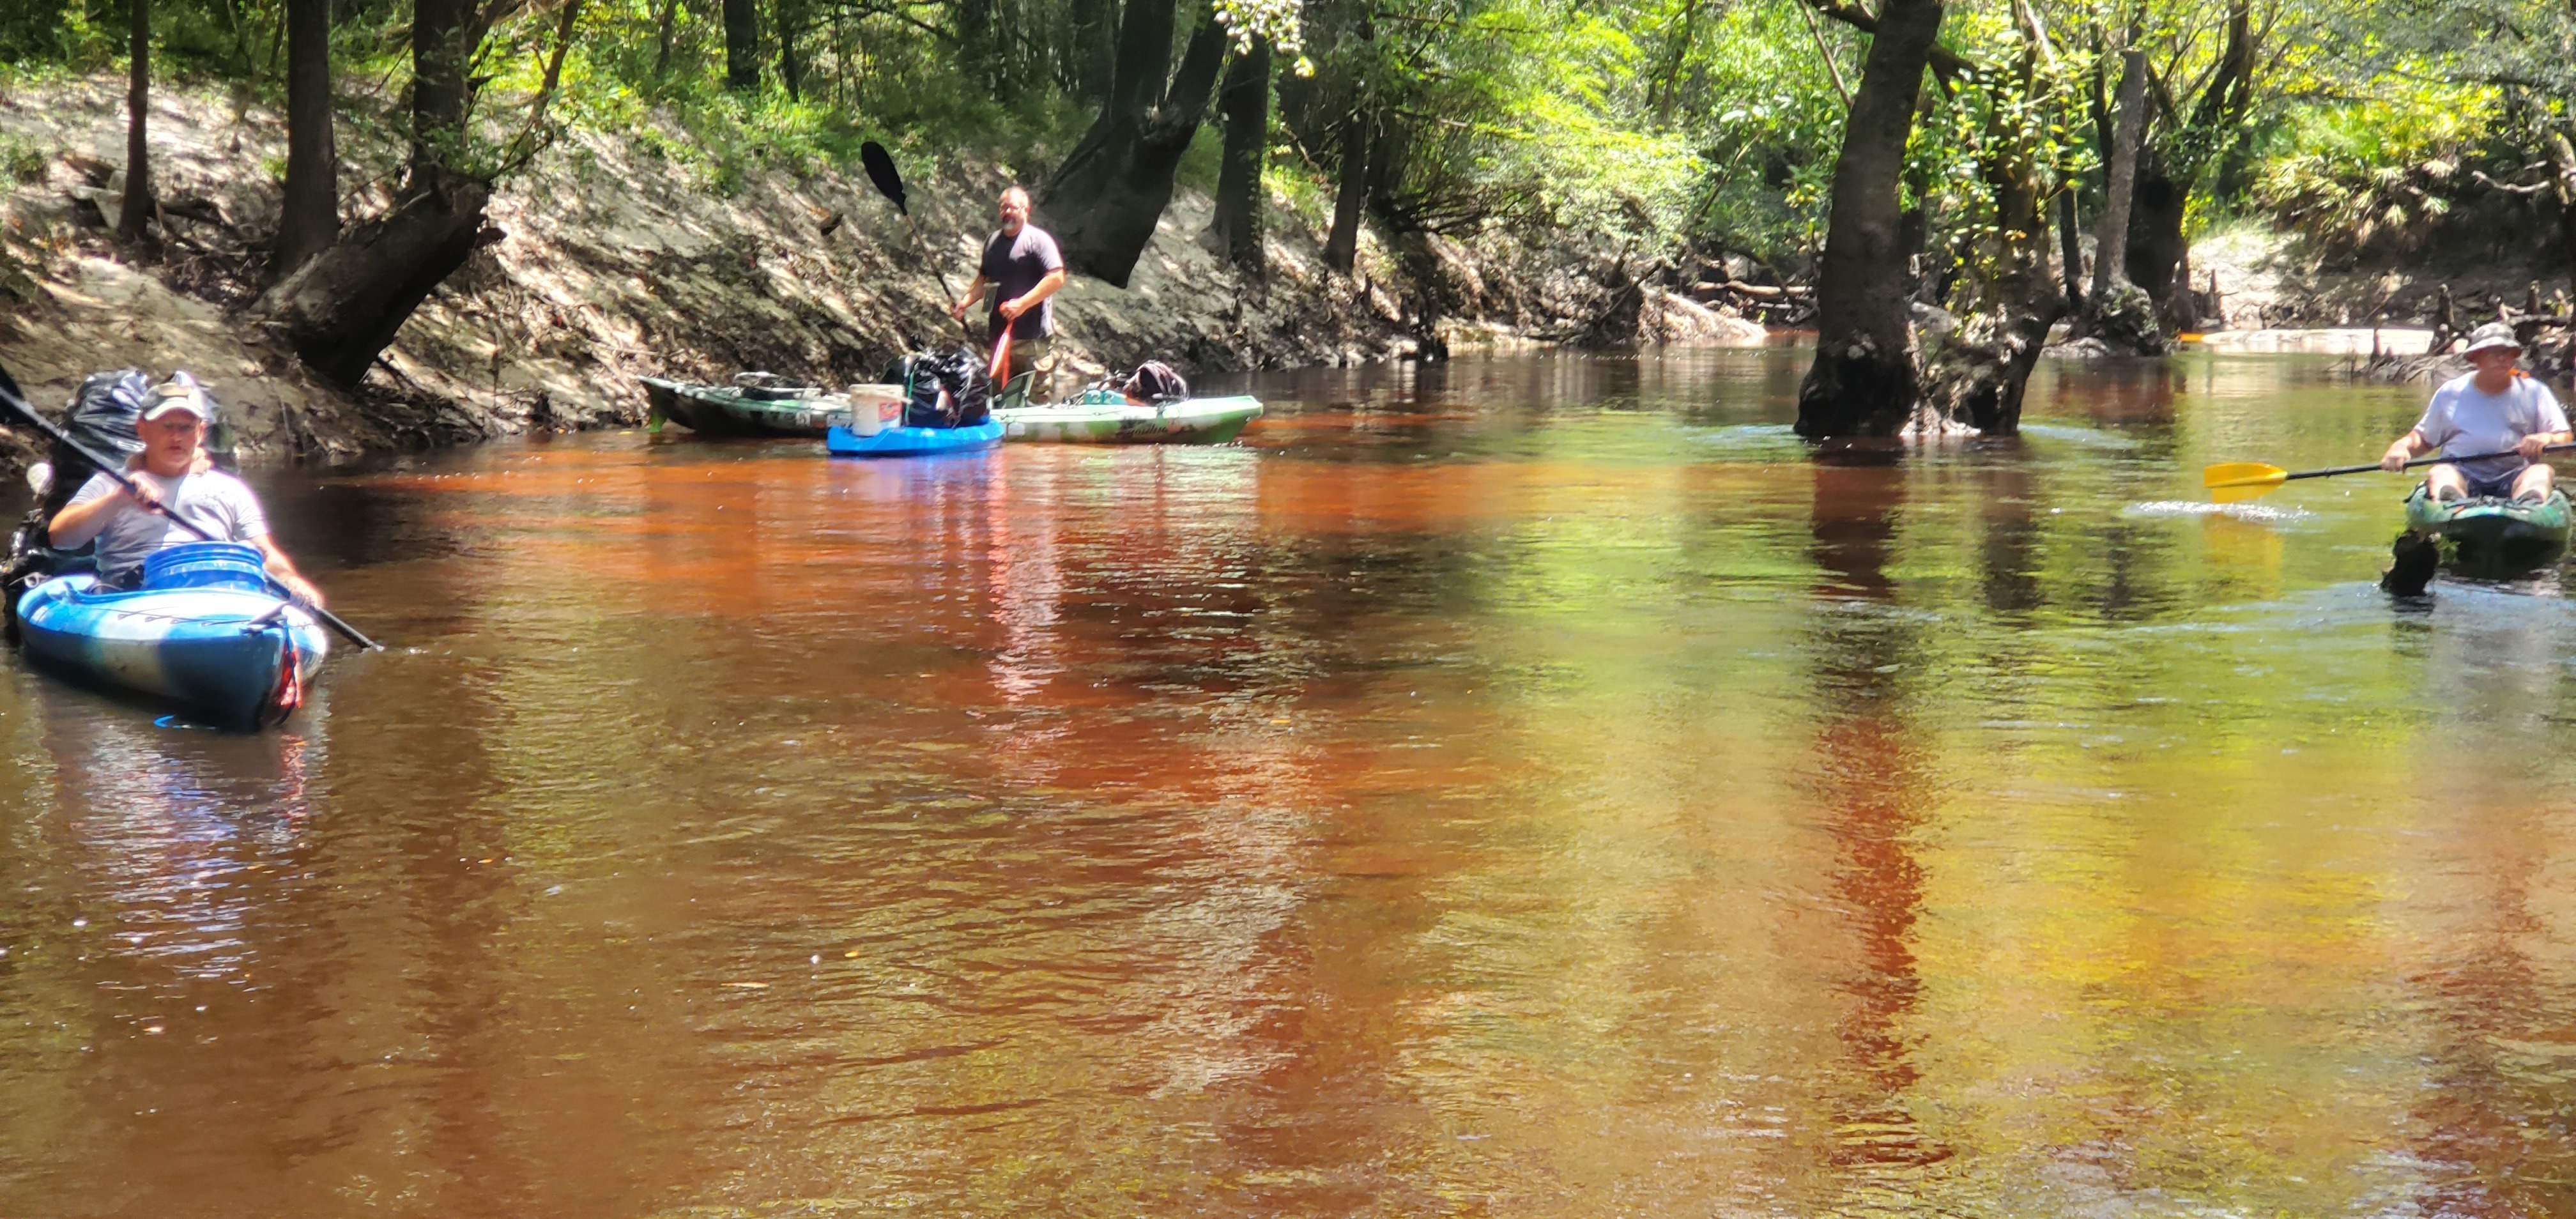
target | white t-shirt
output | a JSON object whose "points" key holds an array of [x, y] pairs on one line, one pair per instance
{"points": [[213, 501], [2467, 422]]}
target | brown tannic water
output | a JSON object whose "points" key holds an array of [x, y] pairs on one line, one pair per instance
{"points": [[1529, 788]]}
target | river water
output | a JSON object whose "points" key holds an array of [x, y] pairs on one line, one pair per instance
{"points": [[1523, 788]]}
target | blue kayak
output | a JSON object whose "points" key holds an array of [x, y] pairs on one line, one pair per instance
{"points": [[913, 441], [204, 636]]}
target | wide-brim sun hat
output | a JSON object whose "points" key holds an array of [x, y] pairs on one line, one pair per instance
{"points": [[2492, 335]]}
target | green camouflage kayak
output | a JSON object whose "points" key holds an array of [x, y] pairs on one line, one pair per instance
{"points": [[2492, 536], [754, 406], [1188, 421]]}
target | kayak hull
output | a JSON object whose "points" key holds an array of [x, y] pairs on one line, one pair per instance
{"points": [[225, 657], [802, 411], [711, 411], [1192, 421], [913, 441], [2493, 537]]}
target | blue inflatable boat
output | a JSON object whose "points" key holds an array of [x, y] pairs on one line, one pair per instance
{"points": [[205, 636], [841, 441]]}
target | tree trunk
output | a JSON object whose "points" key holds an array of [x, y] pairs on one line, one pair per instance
{"points": [[1665, 91], [310, 219], [2157, 247], [1342, 244], [1102, 204], [2111, 236], [343, 307], [1245, 103], [979, 43], [791, 72], [668, 24], [2071, 248], [2118, 313], [1979, 372], [1864, 380], [137, 206], [2562, 165], [2567, 241], [1088, 46], [2231, 98], [742, 45], [444, 33]]}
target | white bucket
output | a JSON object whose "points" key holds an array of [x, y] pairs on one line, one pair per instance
{"points": [[874, 408]]}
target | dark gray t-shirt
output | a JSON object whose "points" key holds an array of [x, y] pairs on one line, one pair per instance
{"points": [[1017, 264]]}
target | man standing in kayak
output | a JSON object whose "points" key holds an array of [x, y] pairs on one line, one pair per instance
{"points": [[2491, 426], [176, 480], [1022, 262]]}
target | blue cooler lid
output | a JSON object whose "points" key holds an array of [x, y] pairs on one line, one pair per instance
{"points": [[206, 565]]}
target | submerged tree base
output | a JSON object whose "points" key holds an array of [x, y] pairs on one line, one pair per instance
{"points": [[1855, 389], [2123, 320], [1979, 372]]}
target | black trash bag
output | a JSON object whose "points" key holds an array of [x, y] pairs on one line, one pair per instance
{"points": [[943, 391], [101, 416], [1154, 381]]}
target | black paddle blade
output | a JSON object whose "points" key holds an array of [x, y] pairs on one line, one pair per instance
{"points": [[9, 384], [880, 167]]}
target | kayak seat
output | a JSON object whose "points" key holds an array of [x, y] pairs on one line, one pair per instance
{"points": [[1015, 394]]}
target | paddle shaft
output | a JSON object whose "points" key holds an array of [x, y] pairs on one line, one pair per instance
{"points": [[2420, 461], [115, 471]]}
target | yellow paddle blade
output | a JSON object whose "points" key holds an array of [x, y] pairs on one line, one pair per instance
{"points": [[2236, 481]]}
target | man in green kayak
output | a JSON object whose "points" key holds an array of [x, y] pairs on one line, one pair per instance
{"points": [[176, 480], [1022, 262], [2491, 426]]}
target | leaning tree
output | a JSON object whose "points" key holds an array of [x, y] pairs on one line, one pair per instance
{"points": [[341, 308], [1104, 200]]}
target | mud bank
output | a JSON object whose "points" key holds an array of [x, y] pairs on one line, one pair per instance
{"points": [[615, 258]]}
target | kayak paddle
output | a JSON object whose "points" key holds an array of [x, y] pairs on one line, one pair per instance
{"points": [[114, 468], [874, 158], [2234, 481], [999, 371]]}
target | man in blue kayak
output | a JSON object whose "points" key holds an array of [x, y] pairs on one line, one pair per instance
{"points": [[1022, 263], [2491, 426], [176, 480]]}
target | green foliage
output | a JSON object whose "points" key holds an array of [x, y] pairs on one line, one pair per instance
{"points": [[2007, 126], [1526, 112], [2382, 170], [1645, 122], [1771, 120]]}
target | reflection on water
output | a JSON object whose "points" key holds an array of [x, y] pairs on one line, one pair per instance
{"points": [[1524, 787]]}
